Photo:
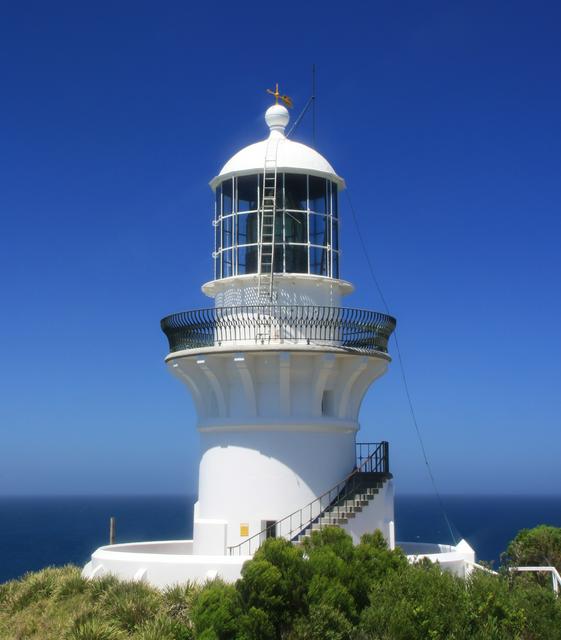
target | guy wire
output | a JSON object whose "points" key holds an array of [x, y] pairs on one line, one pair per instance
{"points": [[402, 370]]}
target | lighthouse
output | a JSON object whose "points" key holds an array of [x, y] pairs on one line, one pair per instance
{"points": [[277, 366]]}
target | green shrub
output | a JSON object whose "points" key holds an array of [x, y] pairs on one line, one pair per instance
{"points": [[163, 628], [415, 603], [322, 623], [256, 624], [98, 587], [276, 581], [540, 546], [129, 604], [94, 629], [177, 602], [70, 583], [217, 610]]}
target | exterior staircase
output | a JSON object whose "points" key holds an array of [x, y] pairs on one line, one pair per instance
{"points": [[344, 508], [334, 507]]}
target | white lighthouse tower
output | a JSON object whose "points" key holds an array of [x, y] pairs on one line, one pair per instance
{"points": [[277, 369]]}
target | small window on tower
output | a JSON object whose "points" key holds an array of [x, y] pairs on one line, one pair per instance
{"points": [[327, 408]]}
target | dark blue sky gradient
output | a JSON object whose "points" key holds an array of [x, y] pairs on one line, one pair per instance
{"points": [[445, 120]]}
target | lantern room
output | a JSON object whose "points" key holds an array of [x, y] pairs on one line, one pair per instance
{"points": [[306, 221]]}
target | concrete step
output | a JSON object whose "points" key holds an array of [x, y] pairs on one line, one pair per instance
{"points": [[352, 505], [326, 520], [342, 513]]}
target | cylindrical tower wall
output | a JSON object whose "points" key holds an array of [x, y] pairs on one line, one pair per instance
{"points": [[254, 477], [277, 431]]}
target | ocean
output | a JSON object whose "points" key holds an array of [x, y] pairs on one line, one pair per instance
{"points": [[39, 531]]}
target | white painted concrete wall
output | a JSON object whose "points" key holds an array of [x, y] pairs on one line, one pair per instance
{"points": [[289, 289], [165, 563], [277, 430], [254, 476], [161, 564]]}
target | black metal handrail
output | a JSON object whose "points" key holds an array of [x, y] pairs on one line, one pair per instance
{"points": [[295, 523], [353, 329], [373, 457]]}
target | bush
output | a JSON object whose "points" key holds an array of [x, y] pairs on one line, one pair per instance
{"points": [[328, 589], [322, 623], [275, 582], [217, 611], [129, 604], [540, 546], [163, 628], [417, 602], [94, 629], [177, 602]]}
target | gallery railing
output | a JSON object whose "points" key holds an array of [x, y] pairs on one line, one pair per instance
{"points": [[353, 329]]}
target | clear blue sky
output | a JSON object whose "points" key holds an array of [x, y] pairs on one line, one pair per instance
{"points": [[445, 120]]}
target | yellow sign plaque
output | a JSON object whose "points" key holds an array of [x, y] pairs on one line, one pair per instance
{"points": [[244, 529]]}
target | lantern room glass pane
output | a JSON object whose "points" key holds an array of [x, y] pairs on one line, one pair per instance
{"points": [[296, 191], [318, 194], [335, 273], [227, 231], [247, 259], [279, 259], [227, 197], [319, 229], [227, 264], [334, 201], [247, 193], [295, 226], [218, 211], [335, 234], [280, 191], [318, 261], [296, 259], [247, 228]]}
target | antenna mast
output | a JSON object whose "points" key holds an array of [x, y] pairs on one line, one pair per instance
{"points": [[314, 104]]}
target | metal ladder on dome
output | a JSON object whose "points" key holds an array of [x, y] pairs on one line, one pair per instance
{"points": [[267, 220], [266, 247]]}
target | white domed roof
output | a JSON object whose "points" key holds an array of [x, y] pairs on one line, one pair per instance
{"points": [[291, 156]]}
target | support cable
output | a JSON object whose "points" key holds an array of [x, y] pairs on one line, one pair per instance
{"points": [[402, 370], [311, 102], [299, 118]]}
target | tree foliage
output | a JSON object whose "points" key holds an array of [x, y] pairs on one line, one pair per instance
{"points": [[327, 589], [540, 546]]}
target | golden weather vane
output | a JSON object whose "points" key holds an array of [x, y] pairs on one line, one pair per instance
{"points": [[285, 99]]}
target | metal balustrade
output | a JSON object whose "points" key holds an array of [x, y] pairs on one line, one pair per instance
{"points": [[352, 329]]}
